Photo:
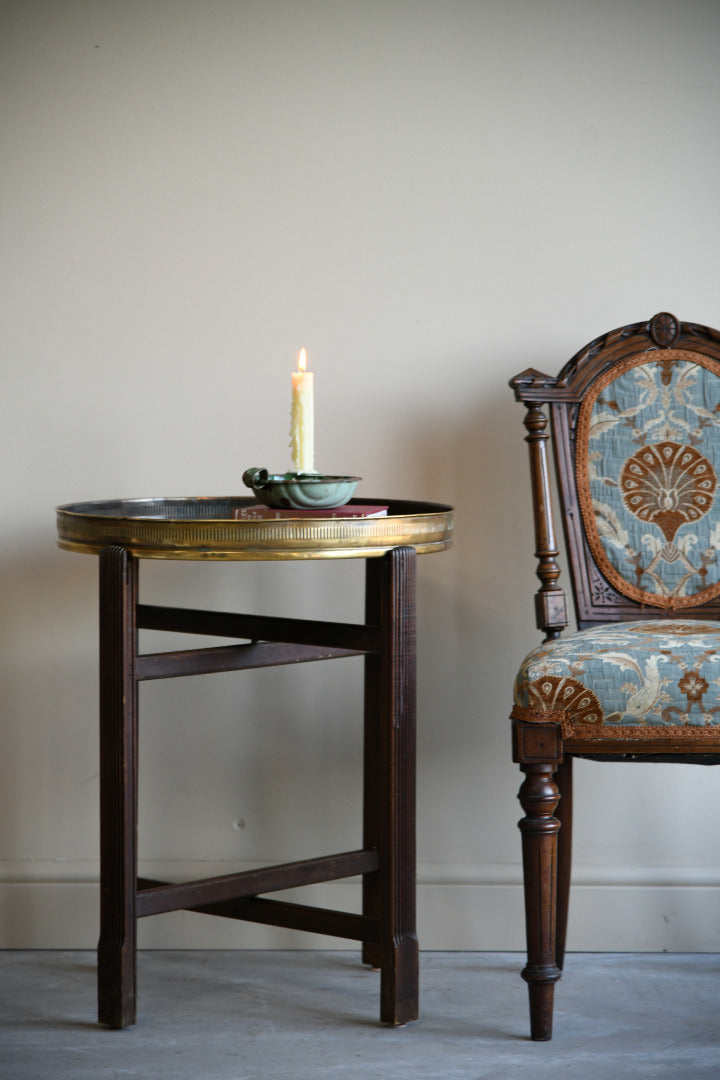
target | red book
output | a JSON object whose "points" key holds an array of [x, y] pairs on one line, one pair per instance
{"points": [[260, 512]]}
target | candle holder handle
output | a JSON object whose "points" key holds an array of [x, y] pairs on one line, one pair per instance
{"points": [[256, 477]]}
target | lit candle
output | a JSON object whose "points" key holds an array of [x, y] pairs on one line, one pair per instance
{"points": [[302, 425]]}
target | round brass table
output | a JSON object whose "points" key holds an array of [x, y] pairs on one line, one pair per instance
{"points": [[205, 528], [123, 532]]}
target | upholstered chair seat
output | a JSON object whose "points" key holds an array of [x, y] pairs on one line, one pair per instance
{"points": [[652, 678]]}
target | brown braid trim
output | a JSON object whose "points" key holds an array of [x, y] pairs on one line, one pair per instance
{"points": [[600, 733]]}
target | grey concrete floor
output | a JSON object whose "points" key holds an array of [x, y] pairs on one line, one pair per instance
{"points": [[271, 1015]]}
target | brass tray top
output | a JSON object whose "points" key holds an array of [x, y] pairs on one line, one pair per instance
{"points": [[204, 528]]}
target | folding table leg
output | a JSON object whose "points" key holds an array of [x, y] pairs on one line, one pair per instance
{"points": [[389, 814], [118, 788], [372, 819]]}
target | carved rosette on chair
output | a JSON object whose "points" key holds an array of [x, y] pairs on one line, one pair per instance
{"points": [[635, 425]]}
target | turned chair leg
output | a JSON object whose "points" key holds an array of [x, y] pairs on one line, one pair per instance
{"points": [[564, 814], [539, 797]]}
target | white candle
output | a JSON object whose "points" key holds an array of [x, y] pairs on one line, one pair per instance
{"points": [[302, 422]]}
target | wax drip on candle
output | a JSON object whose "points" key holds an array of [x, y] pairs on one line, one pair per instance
{"points": [[302, 420]]}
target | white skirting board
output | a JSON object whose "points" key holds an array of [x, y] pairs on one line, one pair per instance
{"points": [[642, 910]]}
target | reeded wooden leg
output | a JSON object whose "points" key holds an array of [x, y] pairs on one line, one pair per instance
{"points": [[372, 818], [539, 797], [118, 788], [391, 683], [564, 814]]}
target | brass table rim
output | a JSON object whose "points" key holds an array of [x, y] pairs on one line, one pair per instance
{"points": [[202, 527]]}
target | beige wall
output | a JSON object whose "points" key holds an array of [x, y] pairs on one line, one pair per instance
{"points": [[429, 196]]}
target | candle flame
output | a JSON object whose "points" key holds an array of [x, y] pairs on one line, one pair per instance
{"points": [[302, 360]]}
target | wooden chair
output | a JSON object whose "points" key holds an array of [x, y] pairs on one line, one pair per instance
{"points": [[635, 422]]}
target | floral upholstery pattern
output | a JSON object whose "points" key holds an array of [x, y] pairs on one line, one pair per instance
{"points": [[648, 461], [626, 678]]}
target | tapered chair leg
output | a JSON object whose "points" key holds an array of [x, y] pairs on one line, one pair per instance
{"points": [[539, 797], [564, 814]]}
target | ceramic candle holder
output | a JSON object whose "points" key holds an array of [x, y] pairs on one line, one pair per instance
{"points": [[300, 491]]}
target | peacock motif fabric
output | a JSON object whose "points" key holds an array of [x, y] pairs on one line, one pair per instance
{"points": [[646, 676], [648, 468]]}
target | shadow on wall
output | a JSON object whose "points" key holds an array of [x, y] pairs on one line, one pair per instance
{"points": [[476, 600], [215, 752], [476, 621], [472, 600], [48, 721]]}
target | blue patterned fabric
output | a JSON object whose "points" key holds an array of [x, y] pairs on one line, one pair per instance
{"points": [[648, 463], [648, 674]]}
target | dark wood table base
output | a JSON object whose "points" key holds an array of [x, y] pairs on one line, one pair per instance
{"points": [[386, 861]]}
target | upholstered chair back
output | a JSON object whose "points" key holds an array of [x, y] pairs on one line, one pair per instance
{"points": [[636, 427]]}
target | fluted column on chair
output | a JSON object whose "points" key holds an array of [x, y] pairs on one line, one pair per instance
{"points": [[550, 603]]}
